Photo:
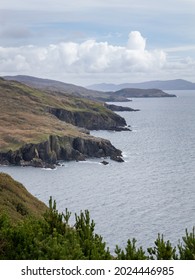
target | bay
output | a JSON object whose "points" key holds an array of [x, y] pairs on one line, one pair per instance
{"points": [[152, 192]]}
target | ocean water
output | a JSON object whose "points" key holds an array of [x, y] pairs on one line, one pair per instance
{"points": [[152, 192]]}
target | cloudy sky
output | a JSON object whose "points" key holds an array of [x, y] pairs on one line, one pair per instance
{"points": [[85, 42]]}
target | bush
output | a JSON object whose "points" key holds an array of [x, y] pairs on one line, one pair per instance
{"points": [[130, 253], [187, 250], [52, 238], [162, 250]]}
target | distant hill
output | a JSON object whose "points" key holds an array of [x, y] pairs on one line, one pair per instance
{"points": [[141, 93], [57, 86], [78, 91], [177, 84]]}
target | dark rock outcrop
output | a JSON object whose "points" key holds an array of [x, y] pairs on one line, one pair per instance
{"points": [[117, 158], [104, 162], [90, 120], [117, 108], [56, 148]]}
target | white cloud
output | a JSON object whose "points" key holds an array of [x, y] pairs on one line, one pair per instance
{"points": [[87, 57], [136, 41], [48, 21], [92, 61]]}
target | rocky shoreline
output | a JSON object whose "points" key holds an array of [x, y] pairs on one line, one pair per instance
{"points": [[90, 120], [40, 128], [47, 154], [117, 108]]}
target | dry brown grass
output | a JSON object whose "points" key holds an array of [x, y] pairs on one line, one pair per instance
{"points": [[16, 201], [24, 117]]}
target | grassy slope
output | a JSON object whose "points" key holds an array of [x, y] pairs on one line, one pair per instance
{"points": [[16, 201], [24, 116]]}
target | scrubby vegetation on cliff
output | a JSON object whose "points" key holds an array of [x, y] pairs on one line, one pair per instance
{"points": [[50, 236], [17, 202]]}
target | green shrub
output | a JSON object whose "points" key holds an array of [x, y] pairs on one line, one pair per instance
{"points": [[52, 238], [131, 252], [92, 244], [162, 250], [187, 250]]}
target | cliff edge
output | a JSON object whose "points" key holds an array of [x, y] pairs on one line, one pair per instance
{"points": [[39, 128]]}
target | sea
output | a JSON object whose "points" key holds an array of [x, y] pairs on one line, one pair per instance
{"points": [[152, 192]]}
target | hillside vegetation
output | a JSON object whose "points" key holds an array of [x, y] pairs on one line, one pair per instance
{"points": [[17, 202], [30, 230]]}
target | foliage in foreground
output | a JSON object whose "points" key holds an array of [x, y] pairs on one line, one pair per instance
{"points": [[53, 238]]}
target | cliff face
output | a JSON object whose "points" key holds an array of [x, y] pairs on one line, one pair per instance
{"points": [[90, 120], [56, 148], [117, 108]]}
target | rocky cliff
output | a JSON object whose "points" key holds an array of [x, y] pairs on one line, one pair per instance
{"points": [[90, 120], [56, 148], [40, 128], [117, 108]]}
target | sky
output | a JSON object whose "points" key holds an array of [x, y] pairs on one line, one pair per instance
{"points": [[99, 41]]}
